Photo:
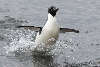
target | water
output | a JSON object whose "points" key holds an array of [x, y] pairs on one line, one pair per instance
{"points": [[17, 47]]}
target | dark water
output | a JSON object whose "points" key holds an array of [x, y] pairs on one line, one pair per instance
{"points": [[71, 50]]}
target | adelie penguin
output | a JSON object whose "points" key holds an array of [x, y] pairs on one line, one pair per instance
{"points": [[50, 32]]}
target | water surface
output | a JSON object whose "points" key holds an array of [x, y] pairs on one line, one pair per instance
{"points": [[73, 50]]}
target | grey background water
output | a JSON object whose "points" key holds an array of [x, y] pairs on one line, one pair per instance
{"points": [[82, 50]]}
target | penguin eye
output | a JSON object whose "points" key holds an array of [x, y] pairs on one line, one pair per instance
{"points": [[54, 8]]}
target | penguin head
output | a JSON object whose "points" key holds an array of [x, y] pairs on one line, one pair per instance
{"points": [[53, 10]]}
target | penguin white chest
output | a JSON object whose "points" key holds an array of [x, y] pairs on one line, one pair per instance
{"points": [[49, 33]]}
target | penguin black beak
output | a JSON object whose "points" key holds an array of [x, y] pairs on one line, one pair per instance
{"points": [[57, 9]]}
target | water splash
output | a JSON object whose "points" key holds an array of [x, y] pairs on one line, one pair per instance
{"points": [[20, 41]]}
